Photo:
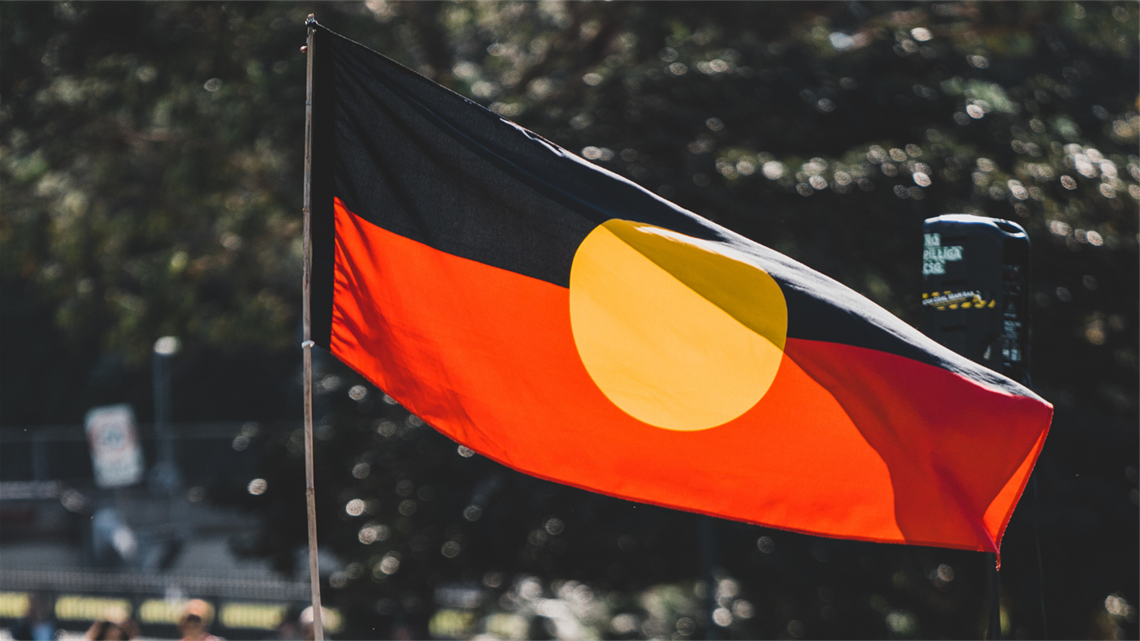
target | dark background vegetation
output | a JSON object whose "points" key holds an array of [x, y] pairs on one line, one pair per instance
{"points": [[151, 159]]}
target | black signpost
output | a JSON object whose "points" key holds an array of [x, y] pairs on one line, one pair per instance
{"points": [[975, 301], [975, 295]]}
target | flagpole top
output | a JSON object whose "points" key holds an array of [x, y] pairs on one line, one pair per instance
{"points": [[311, 21]]}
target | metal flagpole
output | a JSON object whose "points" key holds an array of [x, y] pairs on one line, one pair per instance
{"points": [[307, 346]]}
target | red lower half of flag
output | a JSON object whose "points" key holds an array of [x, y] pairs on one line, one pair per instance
{"points": [[847, 442]]}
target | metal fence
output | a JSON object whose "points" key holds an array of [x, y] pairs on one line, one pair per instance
{"points": [[48, 497]]}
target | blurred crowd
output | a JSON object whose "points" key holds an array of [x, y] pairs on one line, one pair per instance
{"points": [[194, 622]]}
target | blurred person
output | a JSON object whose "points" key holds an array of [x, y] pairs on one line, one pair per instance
{"points": [[306, 621], [290, 628], [111, 630], [195, 621], [403, 632], [39, 622]]}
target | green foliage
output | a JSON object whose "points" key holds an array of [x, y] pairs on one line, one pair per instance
{"points": [[151, 162], [148, 193]]}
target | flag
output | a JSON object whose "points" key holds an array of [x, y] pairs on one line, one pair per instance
{"points": [[567, 323]]}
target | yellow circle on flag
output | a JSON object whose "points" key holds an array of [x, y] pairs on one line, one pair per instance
{"points": [[680, 333]]}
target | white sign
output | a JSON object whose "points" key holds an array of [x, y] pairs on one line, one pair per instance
{"points": [[115, 452], [935, 255]]}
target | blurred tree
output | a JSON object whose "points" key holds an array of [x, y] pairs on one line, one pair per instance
{"points": [[151, 169]]}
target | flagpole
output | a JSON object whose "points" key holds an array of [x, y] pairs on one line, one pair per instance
{"points": [[307, 346]]}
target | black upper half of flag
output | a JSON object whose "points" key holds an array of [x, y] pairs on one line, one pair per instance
{"points": [[418, 160]]}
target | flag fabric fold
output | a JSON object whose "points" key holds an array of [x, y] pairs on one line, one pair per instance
{"points": [[566, 322]]}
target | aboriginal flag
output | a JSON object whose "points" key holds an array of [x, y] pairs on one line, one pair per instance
{"points": [[569, 324]]}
